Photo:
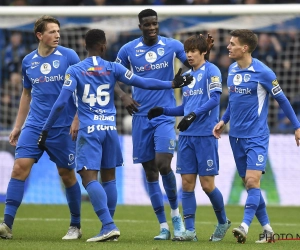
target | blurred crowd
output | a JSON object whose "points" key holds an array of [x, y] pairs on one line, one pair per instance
{"points": [[138, 2]]}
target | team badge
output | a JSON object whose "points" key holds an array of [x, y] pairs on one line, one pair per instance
{"points": [[56, 64], [210, 163], [199, 77], [71, 157], [260, 158], [247, 77], [161, 51]]}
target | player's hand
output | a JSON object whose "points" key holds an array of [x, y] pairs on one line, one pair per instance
{"points": [[297, 136], [130, 104], [42, 140], [210, 42], [218, 129], [14, 136], [180, 81], [154, 112], [186, 121], [74, 128]]}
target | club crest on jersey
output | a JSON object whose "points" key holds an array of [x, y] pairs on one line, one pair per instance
{"points": [[151, 56], [56, 64], [247, 77], [199, 77], [45, 68], [237, 79], [161, 51]]}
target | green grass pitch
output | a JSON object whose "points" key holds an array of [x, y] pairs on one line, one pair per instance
{"points": [[42, 227]]}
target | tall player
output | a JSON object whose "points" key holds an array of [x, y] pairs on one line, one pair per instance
{"points": [[197, 147], [94, 79], [153, 55], [250, 82], [43, 76]]}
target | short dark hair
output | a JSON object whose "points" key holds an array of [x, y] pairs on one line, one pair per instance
{"points": [[246, 37], [146, 13], [41, 23], [196, 42], [93, 37]]}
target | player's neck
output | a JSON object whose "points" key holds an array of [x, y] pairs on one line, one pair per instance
{"points": [[244, 62], [45, 51], [200, 64], [149, 42]]}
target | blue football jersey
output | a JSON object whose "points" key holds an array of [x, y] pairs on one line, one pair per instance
{"points": [[156, 61], [249, 91], [206, 79], [94, 80], [45, 77]]}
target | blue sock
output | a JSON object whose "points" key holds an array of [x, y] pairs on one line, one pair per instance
{"points": [[14, 196], [73, 195], [251, 205], [110, 189], [156, 198], [169, 182], [261, 212], [216, 199], [99, 201], [189, 209]]}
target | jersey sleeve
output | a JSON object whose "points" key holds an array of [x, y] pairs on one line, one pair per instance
{"points": [[122, 57], [270, 83], [73, 57], [214, 79], [180, 54], [70, 82]]}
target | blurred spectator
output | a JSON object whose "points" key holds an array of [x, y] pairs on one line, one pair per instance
{"points": [[10, 95], [140, 2], [54, 2], [13, 54], [266, 49]]}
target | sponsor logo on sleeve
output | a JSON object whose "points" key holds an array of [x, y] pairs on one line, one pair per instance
{"points": [[128, 74], [276, 90]]}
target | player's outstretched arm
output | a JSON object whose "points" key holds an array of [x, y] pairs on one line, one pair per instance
{"points": [[180, 81], [155, 112]]}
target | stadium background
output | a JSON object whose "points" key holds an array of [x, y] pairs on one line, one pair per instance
{"points": [[279, 48]]}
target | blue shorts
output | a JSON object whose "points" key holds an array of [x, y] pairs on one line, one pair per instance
{"points": [[98, 149], [60, 147], [197, 155], [152, 136], [250, 153]]}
